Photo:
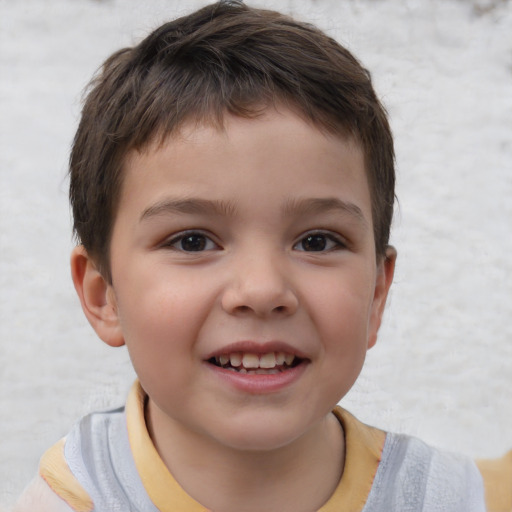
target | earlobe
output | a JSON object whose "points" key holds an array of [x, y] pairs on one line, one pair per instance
{"points": [[385, 272], [96, 297]]}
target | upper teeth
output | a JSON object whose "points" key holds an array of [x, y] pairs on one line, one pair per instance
{"points": [[253, 361]]}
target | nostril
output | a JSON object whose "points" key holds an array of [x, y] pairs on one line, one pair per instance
{"points": [[259, 299], [246, 309]]}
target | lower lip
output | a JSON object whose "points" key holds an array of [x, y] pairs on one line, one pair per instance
{"points": [[260, 384]]}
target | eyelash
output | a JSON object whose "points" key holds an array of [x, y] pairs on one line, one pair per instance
{"points": [[189, 234], [205, 243], [336, 241]]}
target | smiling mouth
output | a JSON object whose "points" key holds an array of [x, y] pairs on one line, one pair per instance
{"points": [[270, 363]]}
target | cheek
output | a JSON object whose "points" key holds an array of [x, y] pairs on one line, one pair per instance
{"points": [[344, 340], [341, 308], [341, 317], [159, 313], [160, 324]]}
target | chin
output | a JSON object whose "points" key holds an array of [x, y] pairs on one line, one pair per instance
{"points": [[258, 443], [260, 436]]}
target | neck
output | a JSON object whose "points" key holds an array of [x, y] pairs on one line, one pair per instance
{"points": [[298, 477]]}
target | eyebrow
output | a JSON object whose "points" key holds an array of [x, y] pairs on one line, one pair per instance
{"points": [[306, 206], [312, 206], [188, 206]]}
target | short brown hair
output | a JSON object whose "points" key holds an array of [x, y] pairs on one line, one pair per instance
{"points": [[226, 57]]}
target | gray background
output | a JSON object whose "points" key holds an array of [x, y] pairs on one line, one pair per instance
{"points": [[442, 367]]}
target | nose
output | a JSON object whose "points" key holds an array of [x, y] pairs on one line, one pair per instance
{"points": [[261, 285]]}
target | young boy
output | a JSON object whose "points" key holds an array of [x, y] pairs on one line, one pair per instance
{"points": [[232, 185]]}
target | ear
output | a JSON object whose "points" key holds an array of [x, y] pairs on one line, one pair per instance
{"points": [[385, 272], [96, 297]]}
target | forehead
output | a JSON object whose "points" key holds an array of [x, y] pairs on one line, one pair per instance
{"points": [[277, 155]]}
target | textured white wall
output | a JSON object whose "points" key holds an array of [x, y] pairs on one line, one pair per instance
{"points": [[442, 367]]}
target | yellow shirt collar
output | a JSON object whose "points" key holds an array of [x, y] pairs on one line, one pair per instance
{"points": [[363, 450]]}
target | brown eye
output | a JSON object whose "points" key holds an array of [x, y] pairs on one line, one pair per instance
{"points": [[192, 242], [318, 242], [314, 243]]}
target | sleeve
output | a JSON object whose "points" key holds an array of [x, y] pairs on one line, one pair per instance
{"points": [[38, 496], [55, 489], [497, 476]]}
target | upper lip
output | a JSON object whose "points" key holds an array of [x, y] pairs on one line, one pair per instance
{"points": [[258, 348]]}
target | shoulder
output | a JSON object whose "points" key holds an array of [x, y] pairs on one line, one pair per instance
{"points": [[39, 496], [415, 475], [55, 488], [70, 471], [497, 475], [404, 473]]}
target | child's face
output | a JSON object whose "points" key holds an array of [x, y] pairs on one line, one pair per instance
{"points": [[255, 242]]}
